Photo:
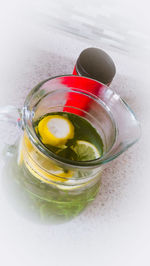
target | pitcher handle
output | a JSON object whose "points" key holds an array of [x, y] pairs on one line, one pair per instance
{"points": [[11, 114]]}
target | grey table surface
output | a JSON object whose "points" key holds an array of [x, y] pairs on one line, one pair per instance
{"points": [[43, 39]]}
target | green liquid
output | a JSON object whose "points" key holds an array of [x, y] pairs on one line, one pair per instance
{"points": [[83, 131], [39, 201], [49, 202]]}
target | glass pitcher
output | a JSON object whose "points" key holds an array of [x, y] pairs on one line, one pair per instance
{"points": [[60, 186]]}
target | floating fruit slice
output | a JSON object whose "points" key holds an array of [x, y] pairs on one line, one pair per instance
{"points": [[47, 171], [85, 151], [59, 175], [24, 142], [55, 130], [20, 152]]}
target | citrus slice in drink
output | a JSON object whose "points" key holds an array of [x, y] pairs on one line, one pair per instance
{"points": [[59, 175], [47, 171], [85, 151], [55, 130], [20, 152], [24, 142]]}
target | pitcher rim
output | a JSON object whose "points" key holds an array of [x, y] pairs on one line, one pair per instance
{"points": [[80, 164]]}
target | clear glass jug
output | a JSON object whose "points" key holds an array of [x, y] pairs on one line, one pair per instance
{"points": [[60, 186]]}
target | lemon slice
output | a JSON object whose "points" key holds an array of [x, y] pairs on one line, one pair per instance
{"points": [[47, 171], [28, 145], [38, 172], [85, 151], [55, 130], [20, 152]]}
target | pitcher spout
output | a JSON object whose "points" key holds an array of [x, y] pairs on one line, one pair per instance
{"points": [[128, 129]]}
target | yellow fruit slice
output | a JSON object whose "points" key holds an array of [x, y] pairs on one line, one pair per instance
{"points": [[46, 177], [56, 173], [55, 130], [85, 151], [24, 141], [28, 154], [20, 152]]}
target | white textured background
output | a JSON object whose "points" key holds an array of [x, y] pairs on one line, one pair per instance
{"points": [[44, 38]]}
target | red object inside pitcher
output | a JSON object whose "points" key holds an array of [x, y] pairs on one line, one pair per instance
{"points": [[96, 65], [78, 102]]}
